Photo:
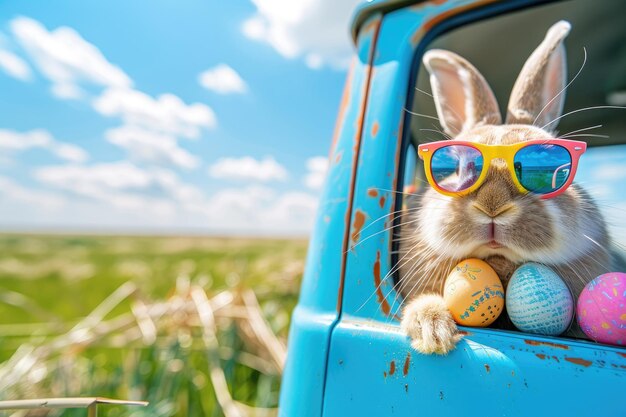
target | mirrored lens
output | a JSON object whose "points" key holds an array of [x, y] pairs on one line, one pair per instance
{"points": [[542, 169], [456, 167]]}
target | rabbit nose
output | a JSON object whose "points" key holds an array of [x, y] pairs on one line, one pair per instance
{"points": [[495, 196], [491, 212]]}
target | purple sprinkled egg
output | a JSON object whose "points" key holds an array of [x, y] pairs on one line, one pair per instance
{"points": [[601, 309]]}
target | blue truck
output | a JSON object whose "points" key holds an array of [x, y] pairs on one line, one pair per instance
{"points": [[347, 355]]}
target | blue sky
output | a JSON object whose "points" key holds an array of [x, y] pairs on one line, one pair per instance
{"points": [[201, 116]]}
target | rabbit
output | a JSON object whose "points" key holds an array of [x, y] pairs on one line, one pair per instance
{"points": [[496, 223]]}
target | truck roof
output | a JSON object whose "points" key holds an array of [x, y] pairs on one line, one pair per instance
{"points": [[370, 7]]}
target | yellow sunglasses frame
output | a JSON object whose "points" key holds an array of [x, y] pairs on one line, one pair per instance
{"points": [[507, 153]]}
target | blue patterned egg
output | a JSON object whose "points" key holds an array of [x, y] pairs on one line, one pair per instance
{"points": [[538, 301]]}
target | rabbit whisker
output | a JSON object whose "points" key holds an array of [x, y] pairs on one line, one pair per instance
{"points": [[580, 110]]}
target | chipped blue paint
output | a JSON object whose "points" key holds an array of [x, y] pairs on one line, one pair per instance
{"points": [[489, 374]]}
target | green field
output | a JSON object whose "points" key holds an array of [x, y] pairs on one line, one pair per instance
{"points": [[150, 340]]}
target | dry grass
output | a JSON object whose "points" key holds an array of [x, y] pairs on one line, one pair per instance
{"points": [[213, 343]]}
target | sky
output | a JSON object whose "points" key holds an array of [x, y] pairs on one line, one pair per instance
{"points": [[168, 116]]}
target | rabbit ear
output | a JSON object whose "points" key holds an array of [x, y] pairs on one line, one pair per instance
{"points": [[462, 96], [538, 97]]}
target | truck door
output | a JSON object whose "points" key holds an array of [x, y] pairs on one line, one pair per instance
{"points": [[371, 368]]}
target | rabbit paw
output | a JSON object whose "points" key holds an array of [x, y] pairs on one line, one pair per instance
{"points": [[427, 321]]}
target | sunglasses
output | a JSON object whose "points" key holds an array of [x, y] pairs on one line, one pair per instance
{"points": [[545, 167]]}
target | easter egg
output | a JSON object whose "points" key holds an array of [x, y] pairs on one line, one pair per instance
{"points": [[538, 301], [473, 293], [601, 309]]}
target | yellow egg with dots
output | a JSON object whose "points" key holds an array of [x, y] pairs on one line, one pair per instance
{"points": [[474, 293]]}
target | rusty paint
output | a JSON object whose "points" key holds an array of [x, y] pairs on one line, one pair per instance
{"points": [[382, 200], [410, 189], [373, 25], [359, 222], [420, 6], [372, 192], [407, 364], [392, 368], [579, 361], [355, 160], [435, 20], [465, 333], [375, 128], [623, 355], [540, 355], [556, 359], [384, 305], [385, 374], [338, 157], [358, 127], [343, 107], [539, 343], [487, 368], [417, 7]]}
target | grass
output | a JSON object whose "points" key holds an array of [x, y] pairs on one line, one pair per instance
{"points": [[211, 330]]}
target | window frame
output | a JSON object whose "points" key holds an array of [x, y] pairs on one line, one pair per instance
{"points": [[402, 39]]}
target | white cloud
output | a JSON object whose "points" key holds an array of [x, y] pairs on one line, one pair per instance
{"points": [[13, 141], [296, 208], [317, 30], [248, 169], [314, 61], [232, 203], [262, 210], [67, 91], [317, 167], [11, 191], [222, 79], [122, 185], [147, 146], [168, 113], [123, 195], [66, 59], [87, 180], [15, 66], [71, 63], [69, 152]]}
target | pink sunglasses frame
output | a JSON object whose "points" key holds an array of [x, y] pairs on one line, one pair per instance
{"points": [[507, 152]]}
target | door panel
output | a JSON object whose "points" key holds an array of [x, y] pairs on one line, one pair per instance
{"points": [[374, 372]]}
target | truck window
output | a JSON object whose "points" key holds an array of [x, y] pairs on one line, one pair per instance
{"points": [[596, 57]]}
